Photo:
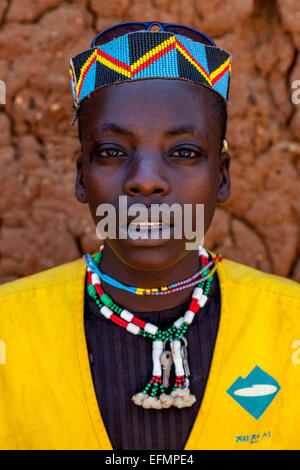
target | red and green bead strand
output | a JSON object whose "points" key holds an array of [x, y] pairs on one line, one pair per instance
{"points": [[103, 299], [179, 382], [154, 387]]}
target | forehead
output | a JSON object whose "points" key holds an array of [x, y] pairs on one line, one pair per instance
{"points": [[155, 105]]}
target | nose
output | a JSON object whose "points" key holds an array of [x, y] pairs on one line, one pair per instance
{"points": [[146, 177]]}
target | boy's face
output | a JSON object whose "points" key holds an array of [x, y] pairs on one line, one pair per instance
{"points": [[138, 140]]}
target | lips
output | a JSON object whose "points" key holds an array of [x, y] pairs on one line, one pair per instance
{"points": [[146, 221], [148, 224], [146, 230]]}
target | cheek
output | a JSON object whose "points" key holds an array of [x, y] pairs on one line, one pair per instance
{"points": [[201, 190], [203, 210], [200, 185], [101, 187], [100, 180]]}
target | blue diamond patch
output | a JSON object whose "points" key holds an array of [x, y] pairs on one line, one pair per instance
{"points": [[254, 393]]}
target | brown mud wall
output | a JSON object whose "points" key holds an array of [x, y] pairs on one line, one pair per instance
{"points": [[41, 223]]}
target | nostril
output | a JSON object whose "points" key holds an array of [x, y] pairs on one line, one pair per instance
{"points": [[155, 191]]}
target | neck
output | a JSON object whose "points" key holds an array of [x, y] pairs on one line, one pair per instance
{"points": [[115, 268]]}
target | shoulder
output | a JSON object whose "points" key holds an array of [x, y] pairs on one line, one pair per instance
{"points": [[41, 301], [54, 277], [256, 280]]}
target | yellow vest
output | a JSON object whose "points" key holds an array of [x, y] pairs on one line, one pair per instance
{"points": [[47, 398]]}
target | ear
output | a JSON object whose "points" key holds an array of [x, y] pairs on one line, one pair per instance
{"points": [[224, 191], [80, 190]]}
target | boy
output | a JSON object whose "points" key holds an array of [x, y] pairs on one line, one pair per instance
{"points": [[152, 121]]}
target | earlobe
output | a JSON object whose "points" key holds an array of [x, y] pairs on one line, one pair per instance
{"points": [[224, 191], [80, 190]]}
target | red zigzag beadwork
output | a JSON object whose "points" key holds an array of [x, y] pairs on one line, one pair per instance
{"points": [[130, 71]]}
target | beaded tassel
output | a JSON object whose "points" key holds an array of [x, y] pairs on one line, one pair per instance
{"points": [[181, 393], [153, 395]]}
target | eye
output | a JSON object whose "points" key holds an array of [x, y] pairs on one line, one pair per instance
{"points": [[186, 153], [109, 152]]}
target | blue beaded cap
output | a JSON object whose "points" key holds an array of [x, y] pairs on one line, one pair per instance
{"points": [[146, 54]]}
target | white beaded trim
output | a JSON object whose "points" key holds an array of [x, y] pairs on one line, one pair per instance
{"points": [[189, 316], [150, 328], [176, 354], [132, 328], [178, 322], [126, 315], [95, 279], [157, 349], [197, 293], [202, 301], [202, 251], [106, 311]]}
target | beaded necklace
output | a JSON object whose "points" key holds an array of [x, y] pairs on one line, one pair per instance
{"points": [[154, 394], [164, 290]]}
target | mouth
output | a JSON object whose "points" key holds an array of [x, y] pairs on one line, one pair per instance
{"points": [[148, 225], [147, 230]]}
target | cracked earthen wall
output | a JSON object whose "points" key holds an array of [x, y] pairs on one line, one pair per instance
{"points": [[41, 223]]}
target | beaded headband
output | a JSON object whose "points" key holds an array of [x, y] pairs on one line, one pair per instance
{"points": [[143, 55]]}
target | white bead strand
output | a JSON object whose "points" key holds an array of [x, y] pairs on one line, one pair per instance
{"points": [[157, 349], [176, 354]]}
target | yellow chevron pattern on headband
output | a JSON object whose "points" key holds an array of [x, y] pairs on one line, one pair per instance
{"points": [[95, 56], [193, 62], [152, 52], [122, 70], [130, 70], [220, 69]]}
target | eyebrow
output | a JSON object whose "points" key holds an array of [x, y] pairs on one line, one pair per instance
{"points": [[117, 129], [180, 130]]}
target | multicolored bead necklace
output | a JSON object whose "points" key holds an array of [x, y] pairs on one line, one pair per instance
{"points": [[191, 281], [154, 394]]}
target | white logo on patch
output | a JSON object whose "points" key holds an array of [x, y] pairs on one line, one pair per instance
{"points": [[257, 390]]}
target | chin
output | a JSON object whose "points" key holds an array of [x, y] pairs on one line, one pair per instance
{"points": [[148, 255]]}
